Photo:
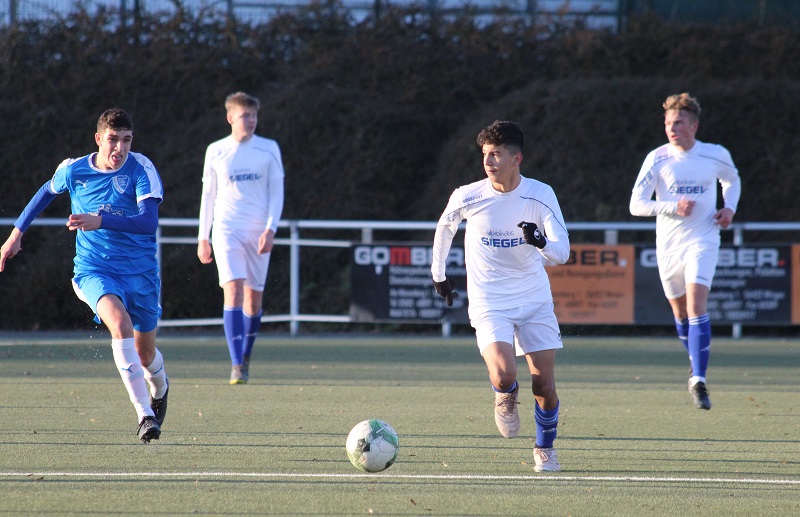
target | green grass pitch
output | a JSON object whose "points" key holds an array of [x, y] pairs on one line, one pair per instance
{"points": [[629, 440]]}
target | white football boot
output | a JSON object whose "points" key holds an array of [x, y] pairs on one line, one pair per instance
{"points": [[545, 459], [506, 413]]}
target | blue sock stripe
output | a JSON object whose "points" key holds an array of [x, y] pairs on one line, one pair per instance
{"points": [[699, 320], [546, 421], [545, 417], [509, 390]]}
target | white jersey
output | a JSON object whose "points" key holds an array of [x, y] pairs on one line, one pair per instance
{"points": [[503, 271], [673, 175], [242, 186]]}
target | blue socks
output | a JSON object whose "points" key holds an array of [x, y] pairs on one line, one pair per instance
{"points": [[546, 426], [509, 390], [252, 324], [682, 326], [699, 344], [233, 321]]}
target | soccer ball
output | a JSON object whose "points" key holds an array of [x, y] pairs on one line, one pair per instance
{"points": [[372, 445]]}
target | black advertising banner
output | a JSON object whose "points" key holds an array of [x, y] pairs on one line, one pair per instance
{"points": [[651, 306], [392, 282], [752, 285]]}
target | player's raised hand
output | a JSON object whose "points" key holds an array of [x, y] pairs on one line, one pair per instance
{"points": [[532, 234], [445, 290]]}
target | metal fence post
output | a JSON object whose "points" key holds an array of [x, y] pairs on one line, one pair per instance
{"points": [[294, 277], [158, 261], [738, 240]]}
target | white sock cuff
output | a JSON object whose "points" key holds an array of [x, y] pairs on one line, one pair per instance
{"points": [[157, 363], [123, 344]]}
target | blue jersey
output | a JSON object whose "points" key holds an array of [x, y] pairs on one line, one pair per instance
{"points": [[96, 191]]}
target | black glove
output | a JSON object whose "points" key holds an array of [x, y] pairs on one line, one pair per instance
{"points": [[532, 235], [445, 290]]}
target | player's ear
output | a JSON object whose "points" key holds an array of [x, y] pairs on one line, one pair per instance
{"points": [[98, 139]]}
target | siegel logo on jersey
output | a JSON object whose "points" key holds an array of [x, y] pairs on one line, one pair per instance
{"points": [[251, 176], [501, 239], [687, 189]]}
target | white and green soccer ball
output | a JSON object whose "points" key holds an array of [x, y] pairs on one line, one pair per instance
{"points": [[372, 445]]}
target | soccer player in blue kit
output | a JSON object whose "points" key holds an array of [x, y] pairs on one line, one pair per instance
{"points": [[114, 195], [243, 200], [683, 175], [514, 225]]}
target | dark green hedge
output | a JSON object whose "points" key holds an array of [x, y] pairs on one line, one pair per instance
{"points": [[376, 120]]}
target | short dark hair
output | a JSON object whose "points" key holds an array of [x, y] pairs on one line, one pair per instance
{"points": [[503, 132], [116, 119]]}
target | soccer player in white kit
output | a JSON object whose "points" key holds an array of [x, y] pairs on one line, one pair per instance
{"points": [[514, 225], [242, 200], [683, 175], [114, 194]]}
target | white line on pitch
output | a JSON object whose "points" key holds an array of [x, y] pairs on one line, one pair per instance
{"points": [[545, 477]]}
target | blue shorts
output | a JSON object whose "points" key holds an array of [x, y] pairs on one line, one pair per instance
{"points": [[139, 295]]}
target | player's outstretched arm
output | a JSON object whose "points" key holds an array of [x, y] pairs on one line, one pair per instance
{"points": [[11, 247]]}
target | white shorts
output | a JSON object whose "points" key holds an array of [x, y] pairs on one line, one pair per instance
{"points": [[693, 265], [236, 255], [530, 328]]}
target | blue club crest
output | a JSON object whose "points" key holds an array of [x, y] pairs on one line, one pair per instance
{"points": [[121, 183]]}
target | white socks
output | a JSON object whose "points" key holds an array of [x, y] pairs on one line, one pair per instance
{"points": [[156, 377], [694, 379], [130, 369]]}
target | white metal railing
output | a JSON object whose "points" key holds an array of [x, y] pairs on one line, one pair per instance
{"points": [[610, 231], [598, 13]]}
